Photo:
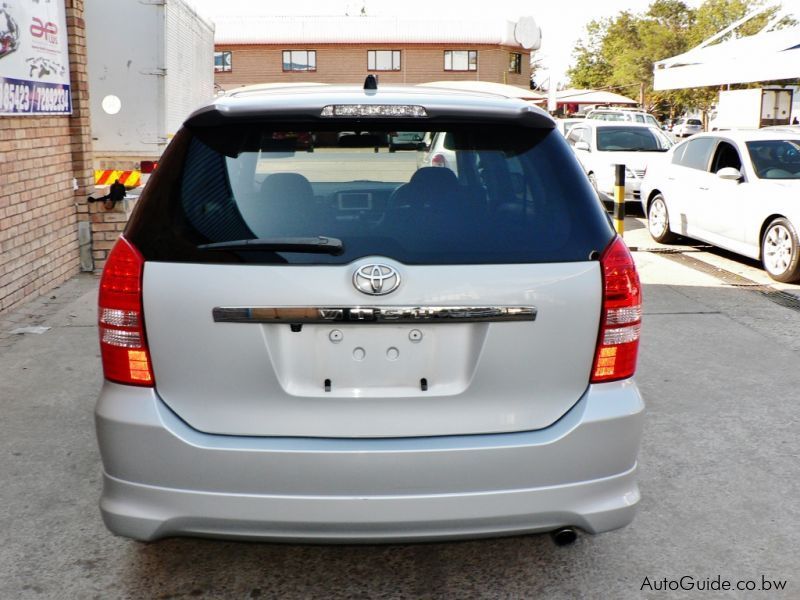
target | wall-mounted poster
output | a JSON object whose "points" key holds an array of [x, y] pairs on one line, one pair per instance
{"points": [[34, 59]]}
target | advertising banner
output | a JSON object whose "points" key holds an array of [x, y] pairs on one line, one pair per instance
{"points": [[34, 59]]}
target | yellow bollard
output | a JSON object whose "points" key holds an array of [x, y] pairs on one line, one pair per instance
{"points": [[619, 199]]}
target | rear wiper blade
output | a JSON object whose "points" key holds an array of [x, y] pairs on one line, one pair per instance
{"points": [[311, 245]]}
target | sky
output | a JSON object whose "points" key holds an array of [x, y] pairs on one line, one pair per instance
{"points": [[562, 23]]}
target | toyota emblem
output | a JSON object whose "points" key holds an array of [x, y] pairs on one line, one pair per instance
{"points": [[376, 280]]}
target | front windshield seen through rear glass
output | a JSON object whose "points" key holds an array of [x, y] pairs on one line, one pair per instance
{"points": [[631, 139], [775, 159]]}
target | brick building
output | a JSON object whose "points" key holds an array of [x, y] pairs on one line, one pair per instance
{"points": [[48, 230], [45, 170], [344, 49]]}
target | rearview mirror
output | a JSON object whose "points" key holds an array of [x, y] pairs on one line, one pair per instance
{"points": [[729, 173], [582, 146]]}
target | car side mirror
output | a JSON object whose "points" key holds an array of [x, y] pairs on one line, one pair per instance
{"points": [[730, 174], [582, 146]]}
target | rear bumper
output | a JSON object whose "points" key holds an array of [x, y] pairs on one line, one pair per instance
{"points": [[162, 478], [632, 189]]}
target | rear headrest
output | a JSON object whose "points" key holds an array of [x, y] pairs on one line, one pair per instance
{"points": [[286, 187], [433, 178]]}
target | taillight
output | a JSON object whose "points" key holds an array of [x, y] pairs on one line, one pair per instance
{"points": [[437, 160], [148, 166], [123, 345], [621, 319]]}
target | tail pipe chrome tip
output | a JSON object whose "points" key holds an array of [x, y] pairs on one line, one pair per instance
{"points": [[564, 536]]}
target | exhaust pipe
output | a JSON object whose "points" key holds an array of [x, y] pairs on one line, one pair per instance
{"points": [[564, 536]]}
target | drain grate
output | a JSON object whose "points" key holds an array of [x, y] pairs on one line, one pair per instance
{"points": [[779, 297]]}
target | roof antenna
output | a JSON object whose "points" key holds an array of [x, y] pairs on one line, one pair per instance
{"points": [[371, 82]]}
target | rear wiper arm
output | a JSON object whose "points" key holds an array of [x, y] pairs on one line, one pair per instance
{"points": [[311, 245]]}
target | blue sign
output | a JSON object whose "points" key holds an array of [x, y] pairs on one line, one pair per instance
{"points": [[18, 97]]}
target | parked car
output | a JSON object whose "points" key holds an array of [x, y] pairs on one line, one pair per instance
{"points": [[565, 124], [600, 145], [406, 140], [340, 346], [793, 129], [441, 151], [737, 190], [684, 127], [623, 114]]}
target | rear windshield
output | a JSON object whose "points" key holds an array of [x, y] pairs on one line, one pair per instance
{"points": [[627, 139], [456, 195], [609, 117]]}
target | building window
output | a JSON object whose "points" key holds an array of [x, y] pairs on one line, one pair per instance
{"points": [[299, 60], [223, 61], [515, 62], [383, 60], [460, 60]]}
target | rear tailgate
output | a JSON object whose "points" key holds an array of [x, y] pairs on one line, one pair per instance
{"points": [[265, 379]]}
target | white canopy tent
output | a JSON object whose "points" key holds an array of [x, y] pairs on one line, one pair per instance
{"points": [[771, 54], [575, 96]]}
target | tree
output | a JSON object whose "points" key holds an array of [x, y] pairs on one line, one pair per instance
{"points": [[619, 52], [591, 69], [715, 15]]}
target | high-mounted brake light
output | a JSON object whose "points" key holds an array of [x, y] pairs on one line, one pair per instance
{"points": [[123, 344], [373, 110], [621, 319]]}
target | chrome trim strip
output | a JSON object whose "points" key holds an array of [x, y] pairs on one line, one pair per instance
{"points": [[373, 314]]}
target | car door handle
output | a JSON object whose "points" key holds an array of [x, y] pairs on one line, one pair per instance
{"points": [[671, 178], [705, 189]]}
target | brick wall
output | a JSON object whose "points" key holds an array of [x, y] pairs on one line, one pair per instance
{"points": [[342, 63], [107, 225], [42, 159], [80, 129]]}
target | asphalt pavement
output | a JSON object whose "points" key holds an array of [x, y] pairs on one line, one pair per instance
{"points": [[720, 474]]}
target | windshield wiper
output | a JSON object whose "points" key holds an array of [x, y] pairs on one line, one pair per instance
{"points": [[311, 245]]}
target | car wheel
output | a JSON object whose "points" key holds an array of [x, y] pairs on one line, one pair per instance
{"points": [[658, 221], [780, 251], [391, 148]]}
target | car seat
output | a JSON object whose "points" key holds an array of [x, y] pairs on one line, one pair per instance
{"points": [[289, 206]]}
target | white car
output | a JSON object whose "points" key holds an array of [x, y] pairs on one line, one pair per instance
{"points": [[600, 145], [687, 127], [738, 190], [565, 125], [441, 151], [622, 114]]}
